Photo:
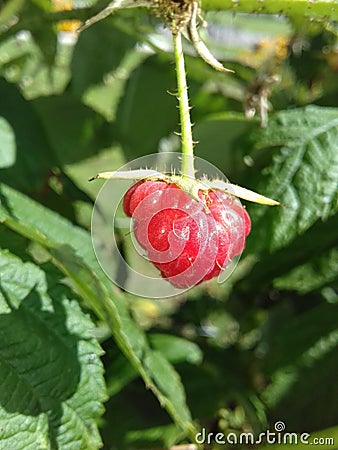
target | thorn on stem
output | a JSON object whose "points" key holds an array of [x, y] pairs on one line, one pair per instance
{"points": [[174, 94]]}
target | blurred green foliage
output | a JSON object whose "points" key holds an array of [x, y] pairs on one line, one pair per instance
{"points": [[239, 356]]}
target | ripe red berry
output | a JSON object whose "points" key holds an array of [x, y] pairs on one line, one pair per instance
{"points": [[185, 240]]}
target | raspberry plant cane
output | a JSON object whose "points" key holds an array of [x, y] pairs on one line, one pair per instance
{"points": [[191, 229]]}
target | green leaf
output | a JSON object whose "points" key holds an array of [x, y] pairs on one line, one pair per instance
{"points": [[320, 270], [9, 9], [305, 250], [52, 385], [99, 77], [21, 62], [7, 148], [220, 139], [33, 154], [303, 175], [105, 97], [304, 343], [92, 64], [176, 349], [147, 113], [131, 340], [13, 242], [169, 384], [165, 435], [79, 264], [173, 348], [296, 354], [44, 33], [70, 127]]}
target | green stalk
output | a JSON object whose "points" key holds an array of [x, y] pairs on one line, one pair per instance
{"points": [[183, 100], [304, 9]]}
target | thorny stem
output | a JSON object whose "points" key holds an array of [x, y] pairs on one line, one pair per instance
{"points": [[183, 100]]}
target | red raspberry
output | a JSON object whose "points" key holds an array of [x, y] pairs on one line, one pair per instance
{"points": [[187, 242]]}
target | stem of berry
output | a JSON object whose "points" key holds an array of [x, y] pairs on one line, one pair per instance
{"points": [[183, 100]]}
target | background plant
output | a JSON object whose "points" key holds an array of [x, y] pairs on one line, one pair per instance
{"points": [[239, 356]]}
